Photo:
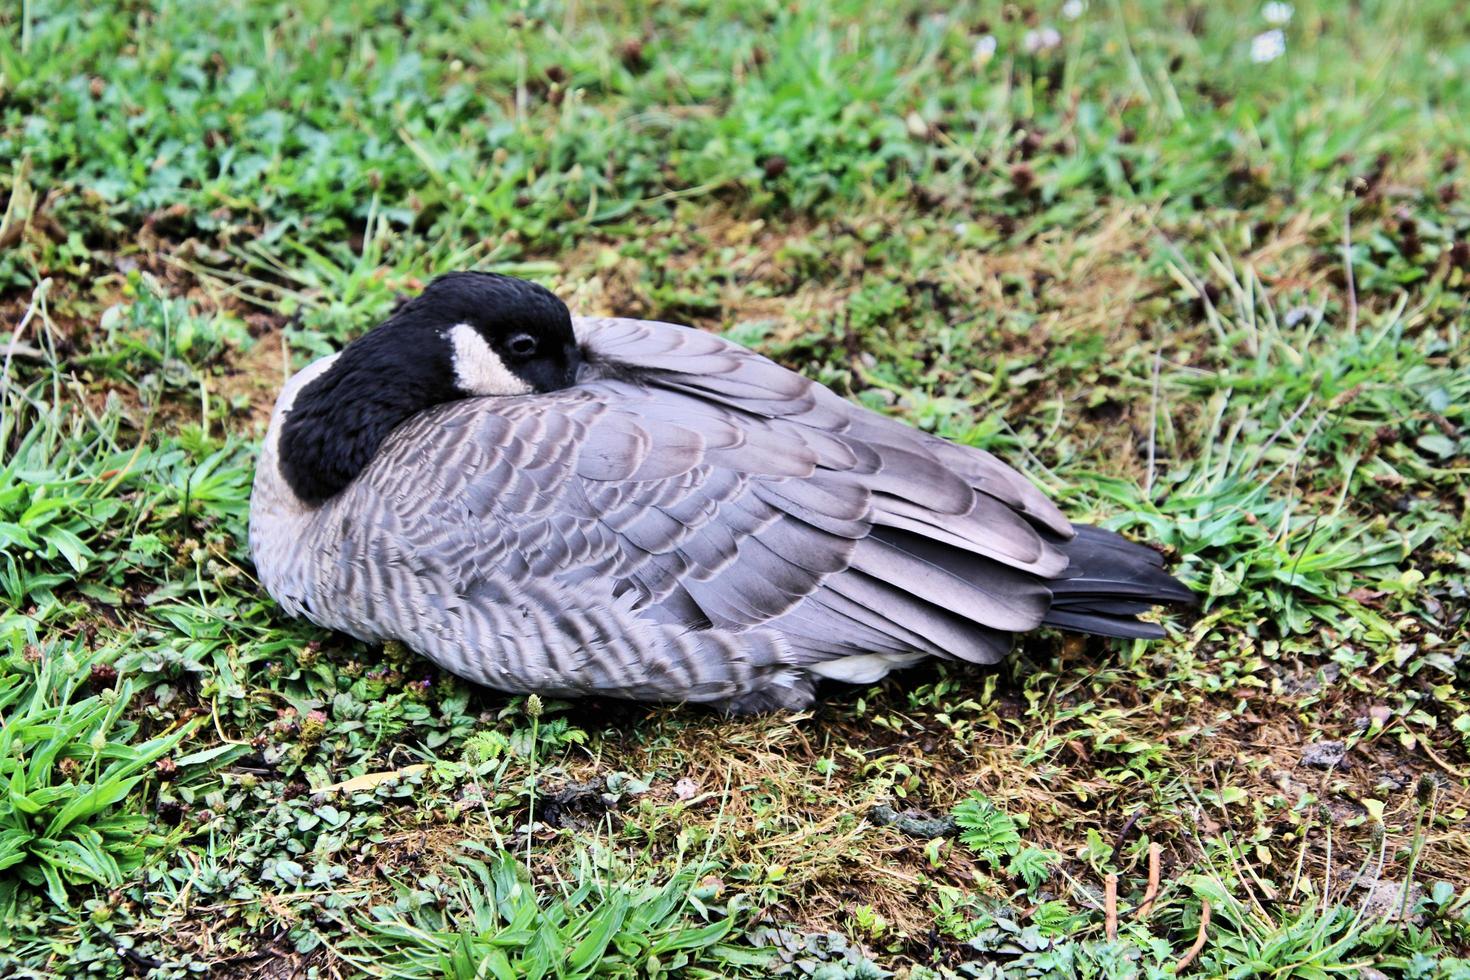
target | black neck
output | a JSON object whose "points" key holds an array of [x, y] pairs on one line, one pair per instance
{"points": [[338, 421]]}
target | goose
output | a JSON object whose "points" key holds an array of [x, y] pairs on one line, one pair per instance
{"points": [[570, 506]]}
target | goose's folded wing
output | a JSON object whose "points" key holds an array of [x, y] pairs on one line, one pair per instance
{"points": [[719, 372]]}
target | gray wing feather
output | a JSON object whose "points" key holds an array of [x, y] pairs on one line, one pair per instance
{"points": [[691, 521]]}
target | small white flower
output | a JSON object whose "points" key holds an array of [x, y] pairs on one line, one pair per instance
{"points": [[1297, 314], [1268, 46], [1073, 9], [984, 50], [1043, 39], [1277, 14], [961, 229]]}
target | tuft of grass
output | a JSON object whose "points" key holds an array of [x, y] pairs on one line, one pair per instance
{"points": [[68, 759], [485, 917]]}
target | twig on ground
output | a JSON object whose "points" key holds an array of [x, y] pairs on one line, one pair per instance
{"points": [[1154, 850], [1122, 837], [1199, 940], [1110, 905], [13, 349], [128, 953], [1153, 429], [1347, 266], [1434, 757], [25, 352]]}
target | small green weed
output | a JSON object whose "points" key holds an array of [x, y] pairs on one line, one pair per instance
{"points": [[485, 918], [68, 760]]}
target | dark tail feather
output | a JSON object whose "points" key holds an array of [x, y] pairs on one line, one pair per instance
{"points": [[1110, 581]]}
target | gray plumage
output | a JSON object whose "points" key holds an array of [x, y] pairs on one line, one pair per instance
{"points": [[688, 522]]}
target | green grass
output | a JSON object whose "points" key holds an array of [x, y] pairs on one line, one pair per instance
{"points": [[1217, 303]]}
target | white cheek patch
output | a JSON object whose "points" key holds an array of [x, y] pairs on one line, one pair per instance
{"points": [[478, 369]]}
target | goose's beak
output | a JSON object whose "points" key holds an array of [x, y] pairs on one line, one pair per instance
{"points": [[574, 366], [548, 375]]}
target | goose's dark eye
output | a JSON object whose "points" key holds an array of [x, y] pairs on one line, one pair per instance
{"points": [[522, 345]]}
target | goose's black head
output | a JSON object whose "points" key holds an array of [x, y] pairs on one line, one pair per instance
{"points": [[468, 334], [503, 336]]}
